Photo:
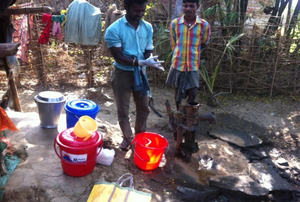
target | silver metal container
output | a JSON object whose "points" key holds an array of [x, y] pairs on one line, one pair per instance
{"points": [[50, 105]]}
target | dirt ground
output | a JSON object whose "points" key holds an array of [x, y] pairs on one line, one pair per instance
{"points": [[276, 122]]}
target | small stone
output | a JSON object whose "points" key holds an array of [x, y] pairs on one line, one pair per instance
{"points": [[294, 168], [285, 175], [295, 172], [282, 162]]}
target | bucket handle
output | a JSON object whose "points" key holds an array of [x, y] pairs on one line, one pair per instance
{"points": [[98, 152], [141, 157], [133, 142], [147, 144], [145, 159], [167, 148]]}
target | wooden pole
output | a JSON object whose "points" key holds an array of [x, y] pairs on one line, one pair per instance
{"points": [[170, 10], [254, 29], [14, 92], [91, 72], [42, 75], [18, 11], [276, 63]]}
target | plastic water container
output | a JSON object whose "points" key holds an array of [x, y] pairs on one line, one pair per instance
{"points": [[80, 107], [50, 105]]}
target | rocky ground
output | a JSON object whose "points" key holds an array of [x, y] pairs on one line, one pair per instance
{"points": [[275, 122]]}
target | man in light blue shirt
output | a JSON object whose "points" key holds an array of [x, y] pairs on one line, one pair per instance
{"points": [[130, 42]]}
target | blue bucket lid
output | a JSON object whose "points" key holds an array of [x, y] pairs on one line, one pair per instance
{"points": [[82, 107]]}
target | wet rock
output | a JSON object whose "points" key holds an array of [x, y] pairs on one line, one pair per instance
{"points": [[268, 177], [295, 182], [239, 138], [254, 153], [234, 196], [283, 196], [201, 193], [239, 183], [285, 175]]}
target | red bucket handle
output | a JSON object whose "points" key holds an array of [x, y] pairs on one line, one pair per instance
{"points": [[98, 152], [133, 142], [147, 143], [141, 157], [167, 149]]}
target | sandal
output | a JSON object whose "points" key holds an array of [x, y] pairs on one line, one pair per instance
{"points": [[125, 145]]}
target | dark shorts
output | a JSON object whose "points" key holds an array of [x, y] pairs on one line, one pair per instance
{"points": [[182, 81]]}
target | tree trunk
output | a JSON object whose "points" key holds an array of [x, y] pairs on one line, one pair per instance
{"points": [[294, 19], [243, 10]]}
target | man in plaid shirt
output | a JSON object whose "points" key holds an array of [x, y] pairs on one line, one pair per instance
{"points": [[188, 34]]}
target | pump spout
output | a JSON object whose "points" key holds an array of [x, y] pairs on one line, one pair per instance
{"points": [[210, 117]]}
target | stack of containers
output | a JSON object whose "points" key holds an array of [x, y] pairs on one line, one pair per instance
{"points": [[80, 107], [78, 153]]}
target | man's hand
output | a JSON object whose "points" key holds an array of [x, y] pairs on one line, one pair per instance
{"points": [[152, 61]]}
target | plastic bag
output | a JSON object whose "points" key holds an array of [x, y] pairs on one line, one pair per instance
{"points": [[105, 157], [118, 192]]}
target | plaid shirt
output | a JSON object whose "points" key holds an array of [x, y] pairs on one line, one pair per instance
{"points": [[186, 43]]}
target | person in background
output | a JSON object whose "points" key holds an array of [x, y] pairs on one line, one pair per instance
{"points": [[188, 34], [130, 42]]}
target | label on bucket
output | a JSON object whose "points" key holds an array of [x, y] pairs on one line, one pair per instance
{"points": [[75, 158]]}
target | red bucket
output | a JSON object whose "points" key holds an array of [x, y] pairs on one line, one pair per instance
{"points": [[148, 151], [78, 157]]}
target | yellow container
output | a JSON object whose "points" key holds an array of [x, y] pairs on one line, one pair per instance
{"points": [[84, 127]]}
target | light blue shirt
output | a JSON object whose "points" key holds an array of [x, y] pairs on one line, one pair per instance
{"points": [[134, 42]]}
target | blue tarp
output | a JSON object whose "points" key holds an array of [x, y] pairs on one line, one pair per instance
{"points": [[83, 24]]}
